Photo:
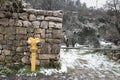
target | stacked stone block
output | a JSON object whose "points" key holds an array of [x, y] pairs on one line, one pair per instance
{"points": [[16, 28]]}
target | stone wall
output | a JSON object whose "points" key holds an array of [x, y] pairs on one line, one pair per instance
{"points": [[16, 28]]}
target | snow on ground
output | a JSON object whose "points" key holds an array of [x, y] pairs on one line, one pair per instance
{"points": [[67, 59], [74, 58], [106, 44], [78, 58]]}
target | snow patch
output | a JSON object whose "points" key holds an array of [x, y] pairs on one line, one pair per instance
{"points": [[76, 58], [67, 59]]}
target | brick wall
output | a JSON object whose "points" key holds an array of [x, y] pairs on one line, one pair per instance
{"points": [[16, 28]]}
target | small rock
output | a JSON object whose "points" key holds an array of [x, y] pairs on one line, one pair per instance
{"points": [[54, 19], [19, 23], [32, 17], [2, 15], [27, 23], [20, 30], [25, 59], [44, 24], [36, 24], [6, 52], [1, 37], [23, 16], [40, 17]]}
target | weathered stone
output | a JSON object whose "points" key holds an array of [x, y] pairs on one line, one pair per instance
{"points": [[30, 30], [40, 12], [13, 49], [55, 19], [20, 30], [49, 35], [15, 15], [10, 30], [44, 62], [40, 17], [0, 46], [22, 43], [3, 42], [37, 31], [2, 58], [7, 47], [32, 17], [57, 14], [27, 24], [25, 59], [16, 30], [49, 40], [6, 52], [4, 22], [57, 34], [55, 25], [17, 58], [30, 35], [36, 24], [42, 41], [9, 42], [48, 56], [55, 49], [52, 24], [8, 59], [2, 15], [37, 36], [44, 24], [9, 64], [1, 37], [26, 49], [18, 23], [57, 41], [49, 30], [33, 11], [58, 26], [42, 33], [49, 13], [19, 49], [21, 37], [0, 51], [11, 22], [8, 14], [52, 41], [37, 62], [23, 16], [9, 37], [46, 49], [2, 30]]}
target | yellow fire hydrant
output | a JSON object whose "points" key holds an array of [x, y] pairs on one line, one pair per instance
{"points": [[34, 43]]}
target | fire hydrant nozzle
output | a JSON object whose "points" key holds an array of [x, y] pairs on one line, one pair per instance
{"points": [[34, 43]]}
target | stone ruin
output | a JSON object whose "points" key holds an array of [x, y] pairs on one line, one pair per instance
{"points": [[16, 28]]}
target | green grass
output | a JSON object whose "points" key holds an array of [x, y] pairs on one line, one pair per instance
{"points": [[27, 69], [6, 70]]}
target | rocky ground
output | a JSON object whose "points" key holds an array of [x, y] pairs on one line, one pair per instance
{"points": [[76, 65]]}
